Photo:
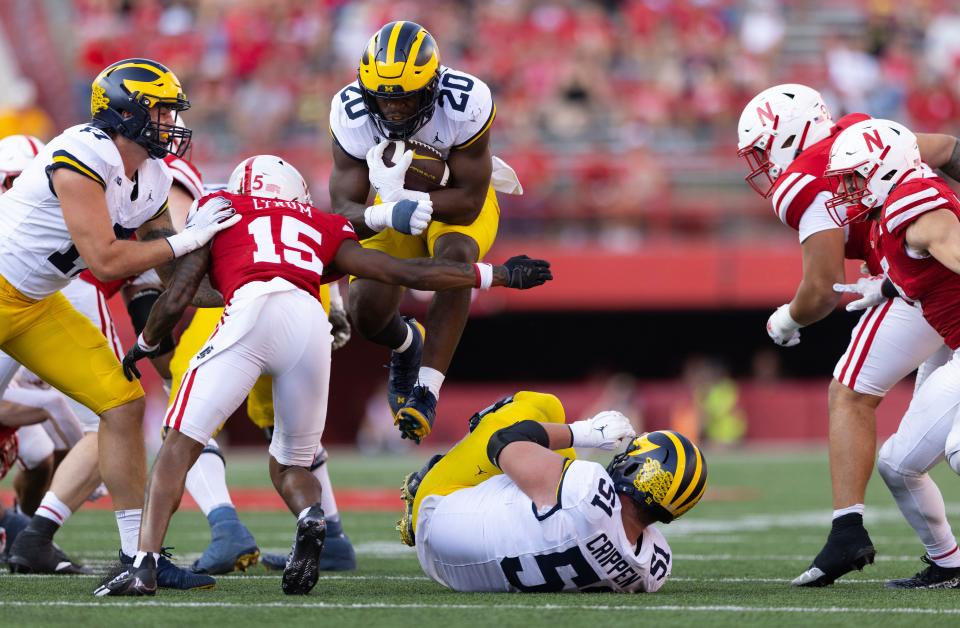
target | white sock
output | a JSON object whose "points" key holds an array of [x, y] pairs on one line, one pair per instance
{"points": [[407, 341], [128, 522], [53, 509], [207, 483], [949, 558], [141, 555], [856, 508], [327, 501], [432, 379]]}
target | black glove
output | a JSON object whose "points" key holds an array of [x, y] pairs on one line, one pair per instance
{"points": [[341, 327], [135, 353], [524, 273]]}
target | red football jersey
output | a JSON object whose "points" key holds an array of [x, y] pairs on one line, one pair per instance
{"points": [[803, 179], [863, 242], [924, 279], [276, 239]]}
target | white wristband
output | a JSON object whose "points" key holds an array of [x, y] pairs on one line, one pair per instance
{"points": [[144, 346], [484, 275]]}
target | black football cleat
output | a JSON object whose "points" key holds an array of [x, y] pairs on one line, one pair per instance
{"points": [[404, 368], [303, 565], [415, 419], [132, 581], [33, 553], [933, 577], [848, 547]]}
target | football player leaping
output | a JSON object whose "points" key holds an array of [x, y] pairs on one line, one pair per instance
{"points": [[785, 135], [88, 188], [876, 171], [509, 508], [402, 92], [270, 269]]}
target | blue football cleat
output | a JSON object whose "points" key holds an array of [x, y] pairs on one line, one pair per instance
{"points": [[231, 548], [404, 368], [169, 576], [415, 419]]}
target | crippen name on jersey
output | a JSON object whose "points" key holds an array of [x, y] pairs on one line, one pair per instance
{"points": [[612, 561], [270, 203]]}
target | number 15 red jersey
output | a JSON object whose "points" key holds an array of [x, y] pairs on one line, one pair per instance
{"points": [[275, 238]]}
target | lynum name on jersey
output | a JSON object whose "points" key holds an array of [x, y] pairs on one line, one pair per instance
{"points": [[269, 203]]}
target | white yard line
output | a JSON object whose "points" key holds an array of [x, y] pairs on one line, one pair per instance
{"points": [[127, 605]]}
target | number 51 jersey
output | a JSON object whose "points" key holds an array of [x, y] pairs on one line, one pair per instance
{"points": [[490, 537], [276, 239]]}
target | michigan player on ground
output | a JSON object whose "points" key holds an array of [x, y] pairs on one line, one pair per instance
{"points": [[403, 92], [510, 508], [71, 208]]}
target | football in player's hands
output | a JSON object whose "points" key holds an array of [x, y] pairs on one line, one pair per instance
{"points": [[428, 170]]}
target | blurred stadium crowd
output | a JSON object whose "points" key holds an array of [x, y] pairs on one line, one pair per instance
{"points": [[618, 115]]}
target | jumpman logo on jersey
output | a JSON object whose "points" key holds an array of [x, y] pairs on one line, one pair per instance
{"points": [[436, 138], [479, 471], [150, 196]]}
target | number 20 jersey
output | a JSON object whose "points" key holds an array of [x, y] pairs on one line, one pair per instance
{"points": [[37, 254], [489, 537], [464, 111], [274, 238]]}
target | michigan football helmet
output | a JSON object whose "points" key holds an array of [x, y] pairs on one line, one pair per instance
{"points": [[775, 126], [866, 161], [401, 61], [662, 472], [16, 151], [269, 176], [124, 96]]}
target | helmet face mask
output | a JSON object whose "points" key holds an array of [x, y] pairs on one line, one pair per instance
{"points": [[662, 472], [762, 172], [868, 160], [400, 62], [131, 98]]}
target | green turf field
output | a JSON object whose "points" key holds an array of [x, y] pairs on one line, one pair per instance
{"points": [[766, 517]]}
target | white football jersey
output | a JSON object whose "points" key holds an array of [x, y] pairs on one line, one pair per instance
{"points": [[490, 537], [464, 111], [37, 254]]}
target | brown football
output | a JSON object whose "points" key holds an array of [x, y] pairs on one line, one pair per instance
{"points": [[427, 172]]}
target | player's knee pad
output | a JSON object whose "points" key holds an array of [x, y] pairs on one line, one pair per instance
{"points": [[320, 459], [952, 448], [549, 405], [891, 467]]}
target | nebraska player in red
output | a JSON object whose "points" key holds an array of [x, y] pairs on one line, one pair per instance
{"points": [[785, 136], [269, 268], [876, 169]]}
